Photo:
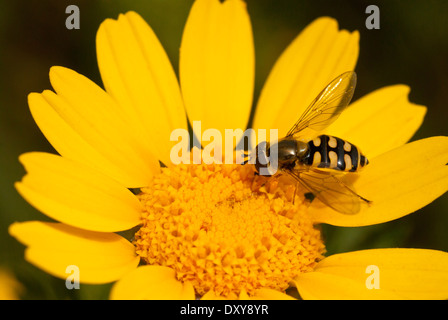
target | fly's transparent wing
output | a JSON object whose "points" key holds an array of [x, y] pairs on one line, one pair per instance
{"points": [[328, 105], [330, 190]]}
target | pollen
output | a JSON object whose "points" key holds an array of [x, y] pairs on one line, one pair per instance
{"points": [[226, 230]]}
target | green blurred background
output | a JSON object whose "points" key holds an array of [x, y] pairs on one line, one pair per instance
{"points": [[410, 48]]}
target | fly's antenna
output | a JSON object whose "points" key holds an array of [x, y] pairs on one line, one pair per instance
{"points": [[246, 157]]}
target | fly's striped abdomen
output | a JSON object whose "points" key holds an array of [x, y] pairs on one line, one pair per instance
{"points": [[334, 153]]}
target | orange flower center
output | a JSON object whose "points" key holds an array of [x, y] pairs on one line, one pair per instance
{"points": [[225, 230]]}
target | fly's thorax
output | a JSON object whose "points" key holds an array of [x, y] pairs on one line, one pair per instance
{"points": [[303, 149], [291, 150], [283, 154], [334, 153]]}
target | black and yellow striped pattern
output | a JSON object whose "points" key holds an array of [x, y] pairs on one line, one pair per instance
{"points": [[334, 153]]}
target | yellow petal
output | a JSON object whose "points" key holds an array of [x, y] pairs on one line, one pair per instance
{"points": [[137, 73], [152, 283], [10, 288], [387, 113], [378, 274], [211, 295], [270, 294], [77, 195], [398, 182], [53, 247], [260, 294], [84, 124], [217, 65], [243, 295], [318, 55]]}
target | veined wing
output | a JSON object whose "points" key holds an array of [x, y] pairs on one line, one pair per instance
{"points": [[328, 105], [327, 187]]}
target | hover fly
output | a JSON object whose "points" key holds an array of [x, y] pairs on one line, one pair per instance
{"points": [[317, 164]]}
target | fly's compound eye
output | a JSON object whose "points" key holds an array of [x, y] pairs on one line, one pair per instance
{"points": [[266, 163]]}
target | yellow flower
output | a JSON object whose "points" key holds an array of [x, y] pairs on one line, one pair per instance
{"points": [[10, 288], [213, 231]]}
